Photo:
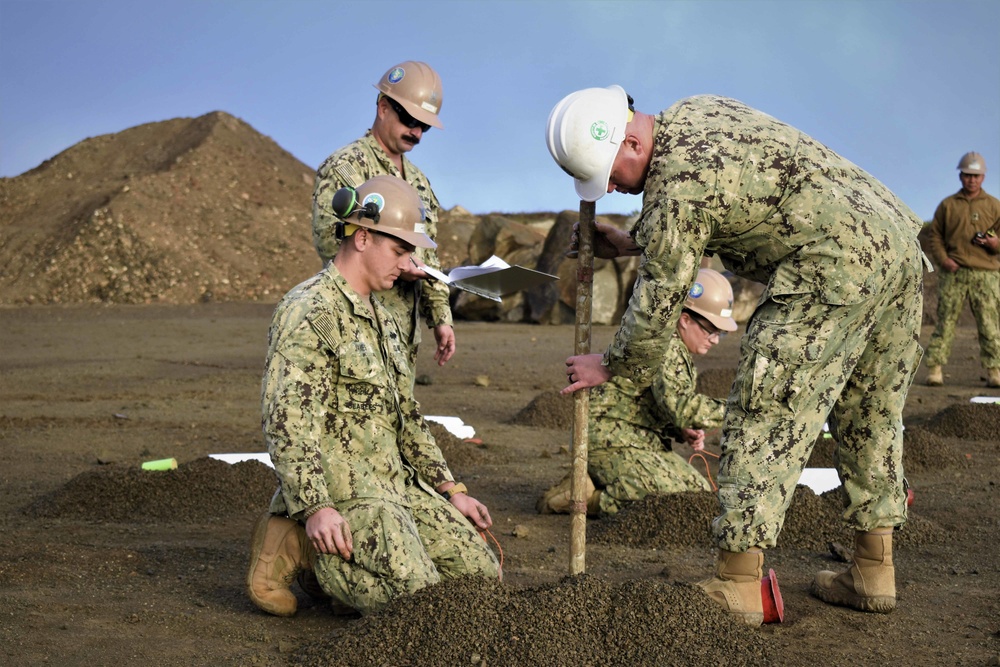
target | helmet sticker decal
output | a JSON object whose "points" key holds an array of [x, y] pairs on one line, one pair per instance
{"points": [[696, 290], [396, 75], [420, 228], [377, 198], [599, 130]]}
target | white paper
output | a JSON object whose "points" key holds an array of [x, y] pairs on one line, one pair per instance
{"points": [[820, 480], [494, 263], [985, 399], [263, 457], [454, 425]]}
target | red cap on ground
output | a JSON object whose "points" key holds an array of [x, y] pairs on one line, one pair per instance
{"points": [[770, 594]]}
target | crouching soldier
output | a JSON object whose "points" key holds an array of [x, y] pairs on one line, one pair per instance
{"points": [[632, 430], [366, 507]]}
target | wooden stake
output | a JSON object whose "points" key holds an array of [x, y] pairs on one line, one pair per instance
{"points": [[581, 398]]}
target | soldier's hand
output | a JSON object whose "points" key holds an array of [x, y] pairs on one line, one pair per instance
{"points": [[473, 510], [585, 370], [950, 265], [694, 437], [990, 242], [329, 533], [444, 336], [413, 272], [609, 242]]}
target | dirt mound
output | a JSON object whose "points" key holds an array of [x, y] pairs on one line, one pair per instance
{"points": [[576, 621], [716, 382], [201, 490], [178, 211], [969, 421], [460, 454], [549, 409], [682, 520], [922, 451]]}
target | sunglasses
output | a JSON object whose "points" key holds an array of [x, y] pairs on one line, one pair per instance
{"points": [[718, 334], [405, 118]]}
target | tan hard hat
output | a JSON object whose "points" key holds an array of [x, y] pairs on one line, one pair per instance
{"points": [[385, 204], [711, 296], [417, 88], [972, 163]]}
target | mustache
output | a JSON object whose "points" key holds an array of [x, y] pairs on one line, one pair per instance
{"points": [[412, 138]]}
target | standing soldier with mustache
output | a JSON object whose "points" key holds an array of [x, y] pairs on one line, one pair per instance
{"points": [[407, 106]]}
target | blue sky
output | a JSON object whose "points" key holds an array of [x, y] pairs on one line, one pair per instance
{"points": [[901, 88]]}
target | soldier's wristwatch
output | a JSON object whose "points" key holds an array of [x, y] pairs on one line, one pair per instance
{"points": [[458, 488]]}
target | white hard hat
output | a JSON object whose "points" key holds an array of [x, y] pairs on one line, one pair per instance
{"points": [[584, 132], [972, 163]]}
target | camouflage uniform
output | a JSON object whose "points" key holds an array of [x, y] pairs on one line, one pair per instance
{"points": [[836, 334], [352, 165], [956, 221], [631, 432], [344, 431]]}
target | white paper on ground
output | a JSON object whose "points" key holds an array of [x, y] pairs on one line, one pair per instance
{"points": [[985, 399], [263, 457], [454, 425], [820, 480]]}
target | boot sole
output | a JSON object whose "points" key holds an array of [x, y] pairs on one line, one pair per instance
{"points": [[878, 604], [256, 544]]}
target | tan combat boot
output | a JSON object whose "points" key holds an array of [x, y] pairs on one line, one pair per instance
{"points": [[993, 379], [279, 550], [736, 584], [870, 583], [935, 376], [557, 499]]}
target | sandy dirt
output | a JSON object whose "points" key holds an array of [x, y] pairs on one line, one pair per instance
{"points": [[104, 564]]}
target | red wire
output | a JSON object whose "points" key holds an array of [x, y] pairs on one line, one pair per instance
{"points": [[499, 548], [701, 455]]}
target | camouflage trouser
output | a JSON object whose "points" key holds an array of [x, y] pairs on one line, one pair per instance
{"points": [[982, 289], [399, 550], [629, 474], [803, 363]]}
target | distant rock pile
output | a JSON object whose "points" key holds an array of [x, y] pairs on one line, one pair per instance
{"points": [[179, 211]]}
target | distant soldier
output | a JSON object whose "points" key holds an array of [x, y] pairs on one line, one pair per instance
{"points": [[374, 510], [836, 334], [632, 430], [407, 106], [963, 243]]}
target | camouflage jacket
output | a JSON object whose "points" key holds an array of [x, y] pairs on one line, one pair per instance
{"points": [[776, 206], [338, 413], [622, 415], [353, 165], [956, 221]]}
